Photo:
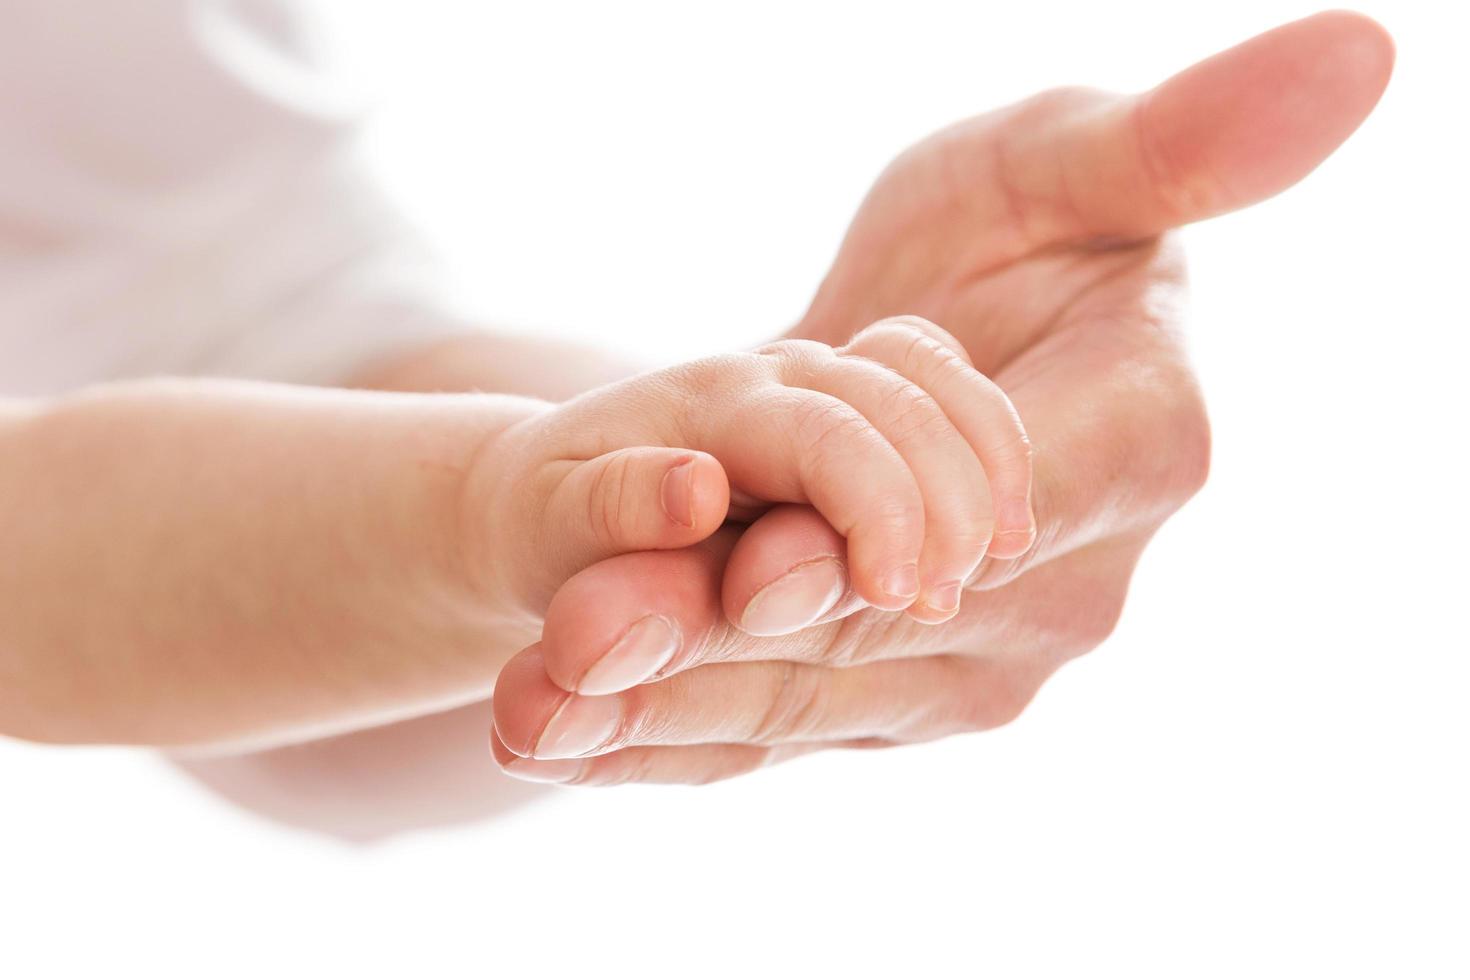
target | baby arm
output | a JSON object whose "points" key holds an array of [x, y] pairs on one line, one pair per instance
{"points": [[193, 562], [196, 562]]}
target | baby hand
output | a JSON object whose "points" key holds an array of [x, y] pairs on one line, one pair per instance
{"points": [[916, 458]]}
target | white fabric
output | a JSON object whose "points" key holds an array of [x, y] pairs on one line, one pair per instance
{"points": [[178, 196]]}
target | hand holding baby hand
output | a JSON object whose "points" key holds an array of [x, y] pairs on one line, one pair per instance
{"points": [[916, 458]]}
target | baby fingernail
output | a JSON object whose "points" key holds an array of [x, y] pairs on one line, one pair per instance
{"points": [[902, 582], [580, 725], [1014, 521], [553, 771], [944, 598], [677, 494], [640, 653], [796, 599]]}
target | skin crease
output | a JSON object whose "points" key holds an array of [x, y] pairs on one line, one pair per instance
{"points": [[1036, 236]]}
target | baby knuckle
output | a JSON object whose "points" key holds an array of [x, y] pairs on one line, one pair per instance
{"points": [[903, 326], [829, 426], [914, 416], [794, 347], [894, 518], [970, 536], [795, 358], [606, 500], [714, 373], [943, 365]]}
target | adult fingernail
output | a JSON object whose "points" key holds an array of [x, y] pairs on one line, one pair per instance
{"points": [[677, 494], [580, 725], [553, 771], [638, 654], [902, 582], [796, 599]]}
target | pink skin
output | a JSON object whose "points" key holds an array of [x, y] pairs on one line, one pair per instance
{"points": [[894, 438], [1058, 277]]}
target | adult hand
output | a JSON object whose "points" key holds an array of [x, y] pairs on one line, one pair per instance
{"points": [[1037, 236]]}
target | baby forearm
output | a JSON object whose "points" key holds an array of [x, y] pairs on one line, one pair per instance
{"points": [[190, 562]]}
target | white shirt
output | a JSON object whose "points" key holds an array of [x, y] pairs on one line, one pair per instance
{"points": [[178, 195]]}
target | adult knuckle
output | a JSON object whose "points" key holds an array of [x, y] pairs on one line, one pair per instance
{"points": [[639, 768], [1000, 707], [1194, 444], [797, 704], [994, 697], [859, 639], [1180, 405], [747, 759], [592, 774], [1093, 621]]}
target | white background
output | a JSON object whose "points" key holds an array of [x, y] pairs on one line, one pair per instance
{"points": [[1263, 773]]}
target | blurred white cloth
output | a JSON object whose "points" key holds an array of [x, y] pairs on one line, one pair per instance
{"points": [[179, 195]]}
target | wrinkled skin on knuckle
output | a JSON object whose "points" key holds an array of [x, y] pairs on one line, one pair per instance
{"points": [[915, 417], [643, 721], [863, 638], [725, 642], [796, 361], [639, 770], [796, 350], [606, 501], [948, 366], [974, 538], [829, 429], [714, 376], [798, 701]]}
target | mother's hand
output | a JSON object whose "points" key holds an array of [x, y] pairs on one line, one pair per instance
{"points": [[1033, 235]]}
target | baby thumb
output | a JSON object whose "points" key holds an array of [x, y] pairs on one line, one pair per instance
{"points": [[638, 499]]}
